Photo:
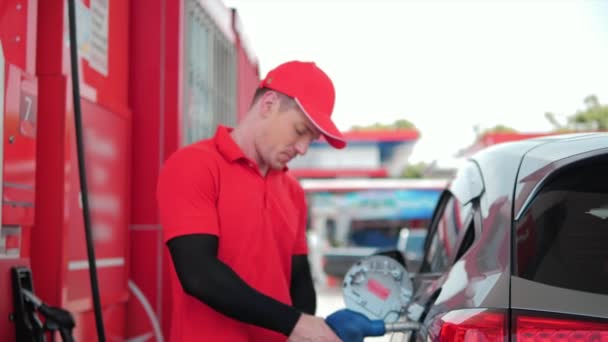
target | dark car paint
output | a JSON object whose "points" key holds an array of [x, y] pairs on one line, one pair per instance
{"points": [[509, 174]]}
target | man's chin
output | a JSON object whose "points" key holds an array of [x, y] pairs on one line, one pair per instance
{"points": [[279, 165]]}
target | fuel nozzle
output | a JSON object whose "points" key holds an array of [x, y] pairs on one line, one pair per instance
{"points": [[56, 319], [401, 326], [353, 326]]}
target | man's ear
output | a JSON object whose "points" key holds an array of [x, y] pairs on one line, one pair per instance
{"points": [[269, 103]]}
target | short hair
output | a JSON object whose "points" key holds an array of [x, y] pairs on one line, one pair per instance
{"points": [[287, 102]]}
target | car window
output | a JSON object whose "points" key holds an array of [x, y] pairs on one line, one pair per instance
{"points": [[446, 233], [562, 238]]}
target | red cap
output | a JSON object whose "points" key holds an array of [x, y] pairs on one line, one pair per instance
{"points": [[314, 92]]}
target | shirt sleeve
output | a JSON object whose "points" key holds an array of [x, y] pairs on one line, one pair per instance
{"points": [[210, 280], [301, 246], [187, 194]]}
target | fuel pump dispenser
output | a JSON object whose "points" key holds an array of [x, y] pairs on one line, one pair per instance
{"points": [[32, 318]]}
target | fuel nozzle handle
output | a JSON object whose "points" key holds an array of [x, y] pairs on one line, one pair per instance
{"points": [[32, 298], [352, 326], [55, 318]]}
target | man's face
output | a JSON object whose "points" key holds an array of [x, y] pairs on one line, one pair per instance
{"points": [[287, 133]]}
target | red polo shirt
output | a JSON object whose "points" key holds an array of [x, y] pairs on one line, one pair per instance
{"points": [[211, 187]]}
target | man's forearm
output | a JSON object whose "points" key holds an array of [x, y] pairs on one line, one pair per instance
{"points": [[222, 289], [302, 287]]}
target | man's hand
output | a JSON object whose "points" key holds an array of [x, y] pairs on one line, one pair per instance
{"points": [[312, 329]]}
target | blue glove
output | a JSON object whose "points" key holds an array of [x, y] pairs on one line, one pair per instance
{"points": [[352, 326]]}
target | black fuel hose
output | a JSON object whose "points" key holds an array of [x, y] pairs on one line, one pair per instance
{"points": [[82, 171]]}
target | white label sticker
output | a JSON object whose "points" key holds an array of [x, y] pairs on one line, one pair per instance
{"points": [[83, 30], [98, 55]]}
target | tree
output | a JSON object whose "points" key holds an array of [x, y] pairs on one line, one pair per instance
{"points": [[414, 170], [593, 118], [397, 124], [499, 129], [556, 125]]}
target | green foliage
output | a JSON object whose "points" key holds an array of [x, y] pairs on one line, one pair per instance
{"points": [[397, 124], [499, 129], [414, 170], [593, 118]]}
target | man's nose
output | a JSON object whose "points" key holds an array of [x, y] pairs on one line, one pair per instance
{"points": [[302, 147]]}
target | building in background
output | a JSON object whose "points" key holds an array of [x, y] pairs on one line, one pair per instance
{"points": [[370, 153]]}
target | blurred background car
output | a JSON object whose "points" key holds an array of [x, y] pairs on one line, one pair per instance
{"points": [[353, 218]]}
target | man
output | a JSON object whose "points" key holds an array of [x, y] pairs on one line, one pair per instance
{"points": [[234, 220]]}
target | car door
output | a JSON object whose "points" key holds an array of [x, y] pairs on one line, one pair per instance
{"points": [[452, 231]]}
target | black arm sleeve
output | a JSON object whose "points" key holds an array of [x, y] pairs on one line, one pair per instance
{"points": [[205, 277], [302, 287]]}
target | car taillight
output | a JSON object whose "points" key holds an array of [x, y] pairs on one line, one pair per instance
{"points": [[535, 328], [470, 325], [484, 325]]}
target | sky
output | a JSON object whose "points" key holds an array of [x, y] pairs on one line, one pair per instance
{"points": [[447, 66]]}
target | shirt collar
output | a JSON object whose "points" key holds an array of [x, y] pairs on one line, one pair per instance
{"points": [[229, 148], [226, 145]]}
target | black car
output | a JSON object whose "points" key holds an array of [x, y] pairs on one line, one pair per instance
{"points": [[517, 249]]}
